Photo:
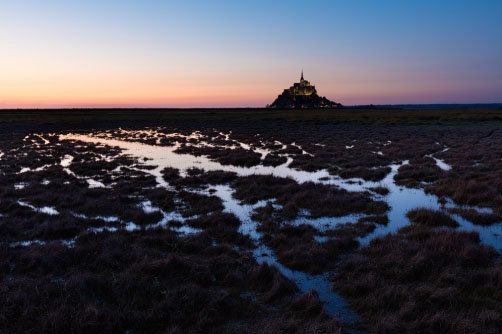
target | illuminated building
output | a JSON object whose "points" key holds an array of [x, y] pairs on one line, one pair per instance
{"points": [[302, 95]]}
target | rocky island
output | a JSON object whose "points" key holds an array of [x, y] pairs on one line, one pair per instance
{"points": [[302, 95]]}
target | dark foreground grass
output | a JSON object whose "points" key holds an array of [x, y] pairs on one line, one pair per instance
{"points": [[222, 227], [149, 282], [478, 218], [481, 189], [425, 281], [226, 156], [364, 116], [432, 218], [296, 248], [197, 178], [422, 279], [380, 190], [320, 200], [419, 171], [366, 174], [305, 248]]}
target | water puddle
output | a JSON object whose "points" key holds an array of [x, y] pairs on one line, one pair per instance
{"points": [[333, 302], [163, 157], [440, 163], [402, 199], [399, 198], [39, 169], [20, 185], [45, 209], [166, 218], [66, 163]]}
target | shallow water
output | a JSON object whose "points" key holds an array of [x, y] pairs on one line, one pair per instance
{"points": [[164, 157], [440, 163], [400, 200], [333, 302], [45, 209]]}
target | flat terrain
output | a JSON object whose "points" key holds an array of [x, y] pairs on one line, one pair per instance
{"points": [[345, 115], [251, 221]]}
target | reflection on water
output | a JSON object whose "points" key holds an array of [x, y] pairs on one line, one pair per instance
{"points": [[45, 209], [163, 157], [440, 163], [399, 198], [333, 302], [402, 199]]}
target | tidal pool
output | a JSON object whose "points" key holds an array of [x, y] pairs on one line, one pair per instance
{"points": [[400, 199]]}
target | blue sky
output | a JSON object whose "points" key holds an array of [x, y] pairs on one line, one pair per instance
{"points": [[243, 53]]}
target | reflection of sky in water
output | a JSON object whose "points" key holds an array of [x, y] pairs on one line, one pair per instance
{"points": [[400, 200], [333, 302], [163, 157]]}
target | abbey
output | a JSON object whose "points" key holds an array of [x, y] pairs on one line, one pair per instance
{"points": [[302, 95]]}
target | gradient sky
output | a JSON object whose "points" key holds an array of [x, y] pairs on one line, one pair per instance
{"points": [[93, 53]]}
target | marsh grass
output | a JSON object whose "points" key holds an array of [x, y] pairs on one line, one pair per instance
{"points": [[431, 218], [425, 280], [320, 200], [478, 218], [180, 284]]}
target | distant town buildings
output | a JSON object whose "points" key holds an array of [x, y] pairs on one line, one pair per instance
{"points": [[302, 95]]}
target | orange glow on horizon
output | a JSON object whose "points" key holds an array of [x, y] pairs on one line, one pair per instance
{"points": [[87, 87], [182, 54]]}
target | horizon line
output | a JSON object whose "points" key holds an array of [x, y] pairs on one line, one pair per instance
{"points": [[231, 108]]}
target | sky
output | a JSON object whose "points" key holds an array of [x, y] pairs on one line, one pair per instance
{"points": [[125, 53]]}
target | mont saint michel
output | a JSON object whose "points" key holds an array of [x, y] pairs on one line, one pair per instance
{"points": [[302, 95], [149, 183]]}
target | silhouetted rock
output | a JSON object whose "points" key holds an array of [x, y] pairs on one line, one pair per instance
{"points": [[302, 95]]}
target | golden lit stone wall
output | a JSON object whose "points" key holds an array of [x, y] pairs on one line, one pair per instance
{"points": [[302, 90]]}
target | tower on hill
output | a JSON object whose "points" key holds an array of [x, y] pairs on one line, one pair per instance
{"points": [[302, 95]]}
